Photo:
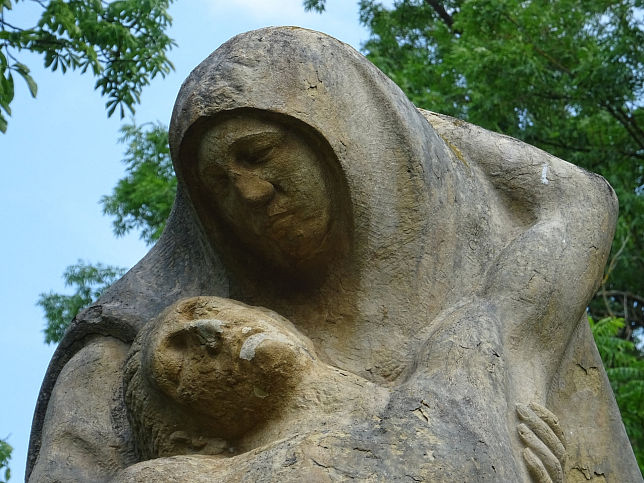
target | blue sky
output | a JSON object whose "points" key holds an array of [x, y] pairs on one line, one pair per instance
{"points": [[60, 155]]}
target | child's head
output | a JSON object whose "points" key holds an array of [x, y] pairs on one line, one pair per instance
{"points": [[210, 367]]}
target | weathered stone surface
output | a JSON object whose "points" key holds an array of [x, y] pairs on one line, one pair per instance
{"points": [[383, 294]]}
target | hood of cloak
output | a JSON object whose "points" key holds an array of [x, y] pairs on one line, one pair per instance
{"points": [[400, 196]]}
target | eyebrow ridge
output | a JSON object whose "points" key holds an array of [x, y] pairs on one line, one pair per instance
{"points": [[261, 136]]}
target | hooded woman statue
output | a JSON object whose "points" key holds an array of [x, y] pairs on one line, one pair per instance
{"points": [[444, 268]]}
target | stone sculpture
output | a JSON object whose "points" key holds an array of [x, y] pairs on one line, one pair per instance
{"points": [[348, 288]]}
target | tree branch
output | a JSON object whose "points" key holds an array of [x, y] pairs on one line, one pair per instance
{"points": [[41, 3], [563, 146], [628, 122], [606, 303], [630, 154], [442, 13], [613, 260], [626, 295], [4, 23]]}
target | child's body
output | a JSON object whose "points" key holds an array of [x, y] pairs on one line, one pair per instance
{"points": [[214, 376]]}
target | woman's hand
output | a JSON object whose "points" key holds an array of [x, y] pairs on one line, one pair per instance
{"points": [[545, 452]]}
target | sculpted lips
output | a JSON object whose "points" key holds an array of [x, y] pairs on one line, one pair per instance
{"points": [[281, 219], [275, 211]]}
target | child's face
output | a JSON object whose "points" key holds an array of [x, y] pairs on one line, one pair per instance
{"points": [[224, 359]]}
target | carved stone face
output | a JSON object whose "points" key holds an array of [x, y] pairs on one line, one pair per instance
{"points": [[269, 186]]}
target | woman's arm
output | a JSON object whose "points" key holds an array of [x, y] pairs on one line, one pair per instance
{"points": [[555, 247], [552, 238], [85, 435]]}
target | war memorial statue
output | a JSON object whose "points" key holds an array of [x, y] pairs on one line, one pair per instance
{"points": [[348, 287]]}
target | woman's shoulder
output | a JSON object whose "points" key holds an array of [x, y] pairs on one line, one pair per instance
{"points": [[527, 171]]}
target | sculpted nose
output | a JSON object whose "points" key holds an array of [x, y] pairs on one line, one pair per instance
{"points": [[253, 189]]}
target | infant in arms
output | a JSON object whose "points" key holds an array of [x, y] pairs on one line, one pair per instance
{"points": [[213, 376]]}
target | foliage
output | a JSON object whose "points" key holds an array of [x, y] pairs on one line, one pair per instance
{"points": [[89, 281], [5, 456], [143, 199], [122, 43], [315, 5], [566, 76], [625, 368]]}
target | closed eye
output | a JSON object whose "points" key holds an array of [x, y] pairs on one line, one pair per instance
{"points": [[258, 157], [256, 148]]}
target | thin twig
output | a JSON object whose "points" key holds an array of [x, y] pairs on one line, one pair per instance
{"points": [[7, 24], [625, 120], [613, 260], [606, 303], [630, 295], [443, 14]]}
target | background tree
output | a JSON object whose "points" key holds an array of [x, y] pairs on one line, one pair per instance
{"points": [[5, 456], [122, 43]]}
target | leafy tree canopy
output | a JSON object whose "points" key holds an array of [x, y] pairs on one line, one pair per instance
{"points": [[88, 281], [142, 200], [625, 368], [5, 456], [122, 43]]}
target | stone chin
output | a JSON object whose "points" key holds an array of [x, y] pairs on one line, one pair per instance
{"points": [[299, 249]]}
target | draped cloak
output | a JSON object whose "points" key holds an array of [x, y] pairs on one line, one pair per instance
{"points": [[470, 259]]}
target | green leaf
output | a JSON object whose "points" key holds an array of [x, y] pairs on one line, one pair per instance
{"points": [[88, 281], [6, 91], [23, 70], [33, 88], [31, 84], [125, 43], [5, 456]]}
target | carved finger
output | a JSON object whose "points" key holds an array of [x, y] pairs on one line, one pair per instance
{"points": [[545, 455], [542, 429], [535, 467], [550, 419]]}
